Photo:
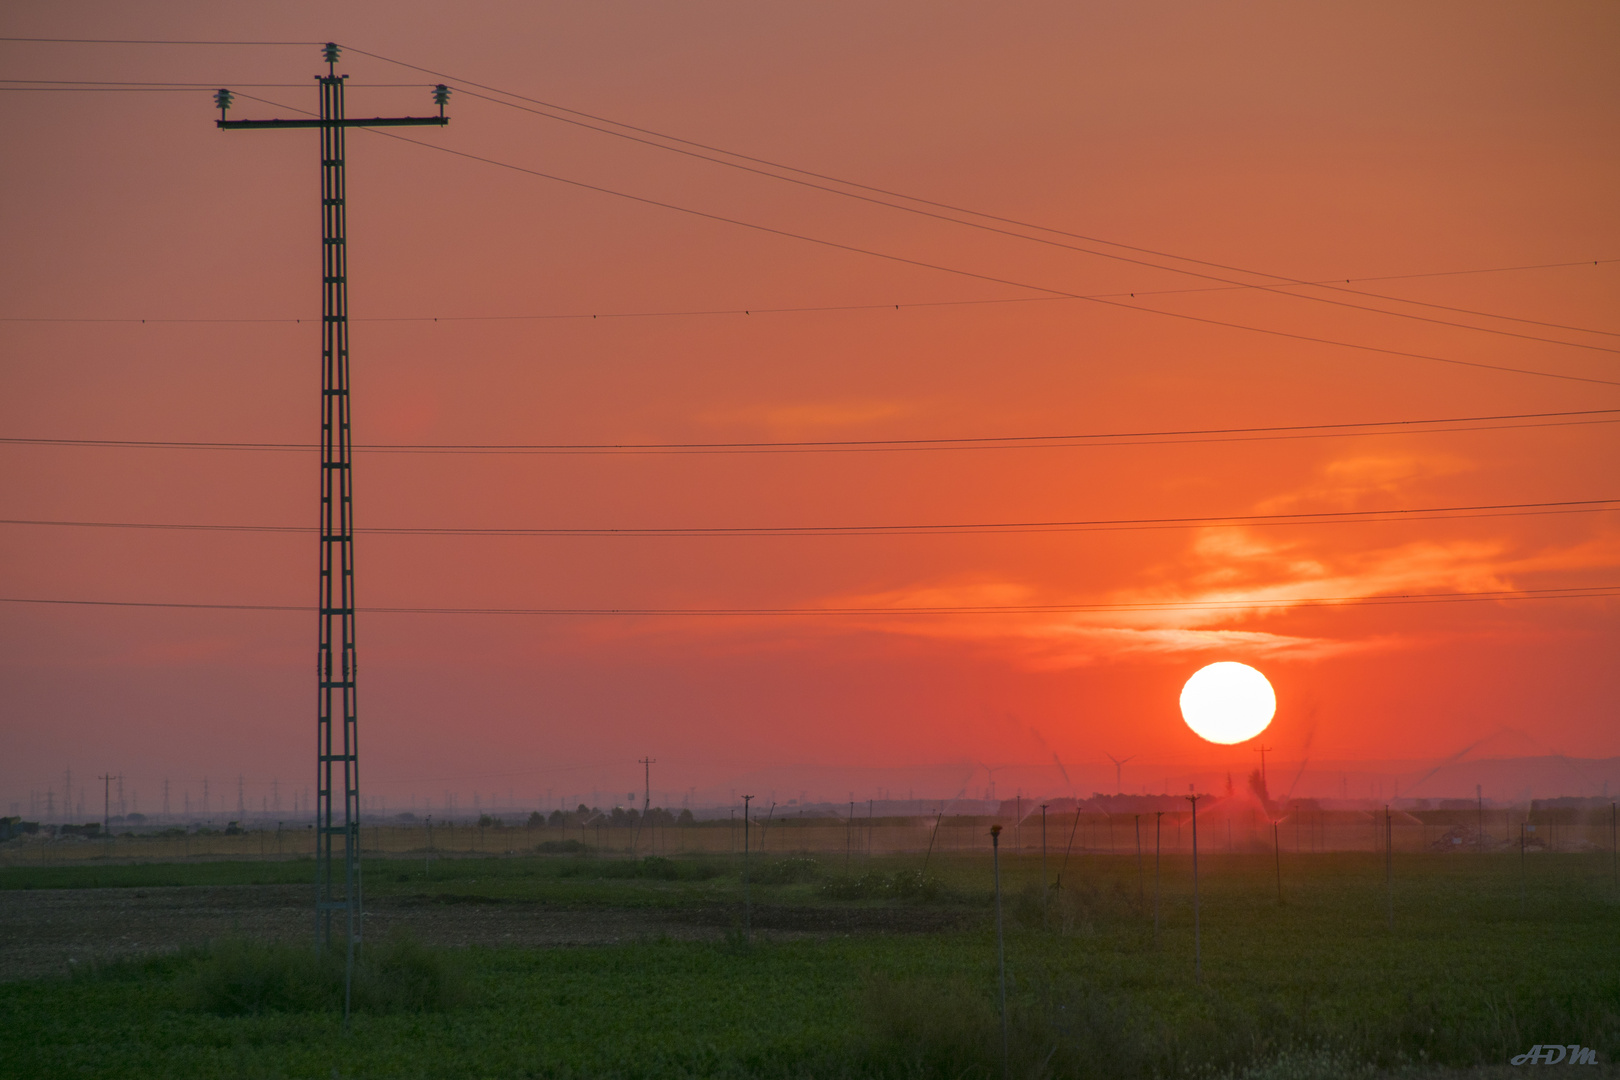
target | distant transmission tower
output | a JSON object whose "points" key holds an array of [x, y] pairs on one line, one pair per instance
{"points": [[337, 752]]}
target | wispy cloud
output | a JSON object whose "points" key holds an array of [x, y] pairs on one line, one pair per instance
{"points": [[1226, 581]]}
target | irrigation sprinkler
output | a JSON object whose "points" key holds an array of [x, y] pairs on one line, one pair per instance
{"points": [[1198, 953], [1045, 880], [764, 830], [1389, 866], [1141, 893], [1070, 845], [1001, 949], [931, 837], [1158, 832], [1276, 847], [747, 930], [1523, 899]]}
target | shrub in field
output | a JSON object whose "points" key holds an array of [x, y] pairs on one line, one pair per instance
{"points": [[653, 866], [784, 871], [240, 978], [562, 847], [398, 974]]}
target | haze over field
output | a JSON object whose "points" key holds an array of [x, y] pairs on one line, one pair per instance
{"points": [[1171, 174]]}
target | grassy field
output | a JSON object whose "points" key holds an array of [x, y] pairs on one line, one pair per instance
{"points": [[1484, 961]]}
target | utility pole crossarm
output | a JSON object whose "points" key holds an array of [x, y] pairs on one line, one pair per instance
{"points": [[375, 121]]}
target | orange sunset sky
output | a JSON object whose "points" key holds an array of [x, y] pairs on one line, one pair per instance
{"points": [[1446, 171]]}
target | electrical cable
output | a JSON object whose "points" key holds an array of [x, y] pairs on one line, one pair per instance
{"points": [[903, 260], [1086, 251], [817, 308], [1400, 599], [854, 184], [145, 41], [842, 446], [204, 85], [952, 270], [929, 202], [1334, 517], [812, 308], [112, 86]]}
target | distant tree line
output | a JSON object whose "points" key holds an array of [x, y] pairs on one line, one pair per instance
{"points": [[619, 817]]}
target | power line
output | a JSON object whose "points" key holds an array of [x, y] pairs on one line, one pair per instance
{"points": [[750, 311], [903, 260], [941, 205], [910, 198], [1088, 251], [97, 89], [146, 41], [197, 85], [112, 86], [965, 273], [1339, 517], [1401, 599], [993, 442]]}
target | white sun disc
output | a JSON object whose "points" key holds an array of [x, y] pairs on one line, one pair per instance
{"points": [[1228, 702]]}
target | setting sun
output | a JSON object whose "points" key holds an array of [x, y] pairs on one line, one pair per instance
{"points": [[1228, 702]]}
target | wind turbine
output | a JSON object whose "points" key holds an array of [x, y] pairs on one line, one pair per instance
{"points": [[1119, 769], [990, 775]]}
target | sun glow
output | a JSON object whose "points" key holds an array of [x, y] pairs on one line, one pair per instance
{"points": [[1228, 702]]}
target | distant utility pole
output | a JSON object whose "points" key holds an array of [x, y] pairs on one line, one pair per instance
{"points": [[1198, 952], [1045, 880], [849, 834], [1262, 751], [337, 755], [646, 803], [1119, 771], [1158, 833], [746, 913], [106, 801], [1389, 866]]}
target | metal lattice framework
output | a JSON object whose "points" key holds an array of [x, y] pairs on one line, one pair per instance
{"points": [[337, 814], [337, 736]]}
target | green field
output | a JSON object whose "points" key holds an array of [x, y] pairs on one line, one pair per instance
{"points": [[1488, 956]]}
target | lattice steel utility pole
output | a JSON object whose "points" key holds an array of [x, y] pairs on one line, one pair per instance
{"points": [[337, 745]]}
